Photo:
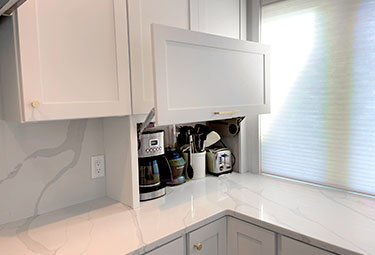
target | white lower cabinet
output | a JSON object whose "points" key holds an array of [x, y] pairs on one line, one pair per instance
{"points": [[248, 239], [176, 247], [209, 240], [293, 247]]}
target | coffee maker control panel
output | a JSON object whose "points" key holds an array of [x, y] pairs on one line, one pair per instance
{"points": [[152, 144]]}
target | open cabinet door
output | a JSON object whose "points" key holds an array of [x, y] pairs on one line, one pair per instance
{"points": [[201, 77]]}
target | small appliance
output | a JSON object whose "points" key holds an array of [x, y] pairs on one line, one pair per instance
{"points": [[152, 163], [177, 166], [219, 161]]}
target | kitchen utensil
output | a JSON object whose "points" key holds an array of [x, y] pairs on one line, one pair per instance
{"points": [[190, 171], [212, 138], [201, 129], [198, 142], [183, 137]]}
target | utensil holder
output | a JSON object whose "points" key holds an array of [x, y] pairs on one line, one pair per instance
{"points": [[198, 163]]}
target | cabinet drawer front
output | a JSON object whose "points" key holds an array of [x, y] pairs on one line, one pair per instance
{"points": [[293, 247], [209, 240], [248, 239], [200, 77], [176, 247]]}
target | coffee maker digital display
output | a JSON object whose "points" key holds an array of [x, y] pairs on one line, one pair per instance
{"points": [[154, 142]]}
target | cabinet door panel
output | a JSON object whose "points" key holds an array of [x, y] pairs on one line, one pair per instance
{"points": [[200, 77], [293, 247], [247, 239], [176, 247], [211, 237], [143, 13], [225, 18], [74, 58]]}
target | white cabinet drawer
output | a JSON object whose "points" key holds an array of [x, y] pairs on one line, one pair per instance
{"points": [[293, 247], [176, 247], [209, 240], [248, 239], [200, 77]]}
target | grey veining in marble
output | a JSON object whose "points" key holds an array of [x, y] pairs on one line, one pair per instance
{"points": [[45, 158], [333, 220]]}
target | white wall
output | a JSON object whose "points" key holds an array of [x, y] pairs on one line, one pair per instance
{"points": [[46, 166]]}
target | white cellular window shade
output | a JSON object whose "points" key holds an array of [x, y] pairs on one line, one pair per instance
{"points": [[322, 123]]}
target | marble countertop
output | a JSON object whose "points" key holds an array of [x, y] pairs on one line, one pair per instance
{"points": [[331, 219]]}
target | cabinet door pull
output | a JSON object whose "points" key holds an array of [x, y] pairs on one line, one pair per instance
{"points": [[226, 112], [35, 104], [198, 246]]}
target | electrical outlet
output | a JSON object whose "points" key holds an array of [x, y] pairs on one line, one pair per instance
{"points": [[97, 166]]}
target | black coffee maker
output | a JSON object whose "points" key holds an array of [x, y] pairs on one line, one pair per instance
{"points": [[152, 164]]}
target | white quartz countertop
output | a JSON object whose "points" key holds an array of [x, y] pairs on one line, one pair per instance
{"points": [[334, 220]]}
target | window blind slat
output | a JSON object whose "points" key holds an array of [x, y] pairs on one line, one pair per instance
{"points": [[322, 123]]}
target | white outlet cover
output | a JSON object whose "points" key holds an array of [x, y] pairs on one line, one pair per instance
{"points": [[97, 166]]}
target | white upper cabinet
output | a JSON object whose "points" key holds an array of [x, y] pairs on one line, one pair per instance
{"points": [[142, 13], [226, 18], [71, 60], [200, 77]]}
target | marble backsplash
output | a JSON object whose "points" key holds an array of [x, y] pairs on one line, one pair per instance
{"points": [[46, 166]]}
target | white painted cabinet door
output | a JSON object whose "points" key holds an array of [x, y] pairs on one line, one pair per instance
{"points": [[225, 18], [293, 247], [248, 239], [201, 77], [176, 247], [74, 59], [142, 13], [209, 240]]}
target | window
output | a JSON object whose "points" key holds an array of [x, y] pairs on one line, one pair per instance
{"points": [[322, 123]]}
